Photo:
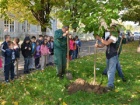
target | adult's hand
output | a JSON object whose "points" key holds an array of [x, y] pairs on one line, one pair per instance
{"points": [[96, 45], [98, 37]]}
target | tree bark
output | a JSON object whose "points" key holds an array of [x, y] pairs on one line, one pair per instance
{"points": [[43, 30]]}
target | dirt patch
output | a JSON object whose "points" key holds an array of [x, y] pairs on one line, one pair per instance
{"points": [[81, 85]]}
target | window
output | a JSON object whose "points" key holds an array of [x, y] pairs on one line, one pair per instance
{"points": [[9, 26]]}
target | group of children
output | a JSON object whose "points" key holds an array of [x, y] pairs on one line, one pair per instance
{"points": [[32, 50], [74, 47]]}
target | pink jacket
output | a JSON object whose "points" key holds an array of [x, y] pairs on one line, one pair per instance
{"points": [[44, 50], [71, 44]]}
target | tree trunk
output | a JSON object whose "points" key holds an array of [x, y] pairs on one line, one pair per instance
{"points": [[43, 30]]}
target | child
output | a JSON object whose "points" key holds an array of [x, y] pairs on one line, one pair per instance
{"points": [[71, 46], [49, 46], [4, 46], [74, 49], [17, 53], [44, 53], [32, 60], [26, 52], [78, 45], [9, 61], [37, 55], [40, 39], [51, 51]]}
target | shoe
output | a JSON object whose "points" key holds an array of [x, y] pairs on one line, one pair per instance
{"points": [[28, 72], [110, 88], [7, 81], [124, 79], [104, 73]]}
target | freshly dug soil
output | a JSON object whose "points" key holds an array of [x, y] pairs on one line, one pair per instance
{"points": [[81, 85]]}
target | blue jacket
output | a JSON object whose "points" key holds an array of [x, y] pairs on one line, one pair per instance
{"points": [[78, 43], [9, 56], [4, 46]]}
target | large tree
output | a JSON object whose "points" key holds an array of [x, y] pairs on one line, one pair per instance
{"points": [[35, 11], [132, 10]]}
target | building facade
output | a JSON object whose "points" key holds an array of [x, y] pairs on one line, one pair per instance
{"points": [[17, 29]]}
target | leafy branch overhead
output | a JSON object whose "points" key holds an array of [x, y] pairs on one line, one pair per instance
{"points": [[132, 10], [93, 15]]}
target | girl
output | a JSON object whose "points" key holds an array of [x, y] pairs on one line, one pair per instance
{"points": [[44, 54], [17, 53], [71, 46], [37, 55], [26, 52]]}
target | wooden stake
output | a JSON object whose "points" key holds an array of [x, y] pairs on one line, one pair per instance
{"points": [[95, 57], [67, 52], [120, 45]]}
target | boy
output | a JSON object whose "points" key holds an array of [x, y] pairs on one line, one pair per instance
{"points": [[4, 46], [40, 39], [78, 45], [9, 61], [26, 52], [32, 60]]}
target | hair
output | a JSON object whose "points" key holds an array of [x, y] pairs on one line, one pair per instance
{"points": [[9, 43], [44, 41], [66, 27], [6, 36], [40, 35], [76, 36], [17, 40], [33, 37], [51, 37]]}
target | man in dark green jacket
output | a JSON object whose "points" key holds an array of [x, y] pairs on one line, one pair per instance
{"points": [[60, 50]]}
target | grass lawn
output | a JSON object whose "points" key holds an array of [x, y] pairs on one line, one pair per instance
{"points": [[44, 88]]}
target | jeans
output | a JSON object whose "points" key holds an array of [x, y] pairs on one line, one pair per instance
{"points": [[37, 60], [111, 69], [74, 54], [32, 63], [9, 69], [26, 64], [118, 68]]}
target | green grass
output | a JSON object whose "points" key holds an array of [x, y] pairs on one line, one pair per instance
{"points": [[44, 88]]}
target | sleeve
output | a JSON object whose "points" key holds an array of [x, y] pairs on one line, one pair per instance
{"points": [[124, 41], [41, 48], [113, 38], [7, 53], [2, 48], [22, 47], [58, 35]]}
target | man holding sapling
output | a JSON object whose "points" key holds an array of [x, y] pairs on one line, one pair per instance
{"points": [[111, 54], [121, 40]]}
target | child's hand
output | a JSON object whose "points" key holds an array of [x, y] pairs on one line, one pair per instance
{"points": [[25, 47]]}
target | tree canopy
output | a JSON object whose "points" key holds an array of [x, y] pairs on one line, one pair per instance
{"points": [[132, 10]]}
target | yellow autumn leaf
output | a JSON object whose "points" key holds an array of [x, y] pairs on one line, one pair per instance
{"points": [[64, 103], [3, 102], [15, 103]]}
